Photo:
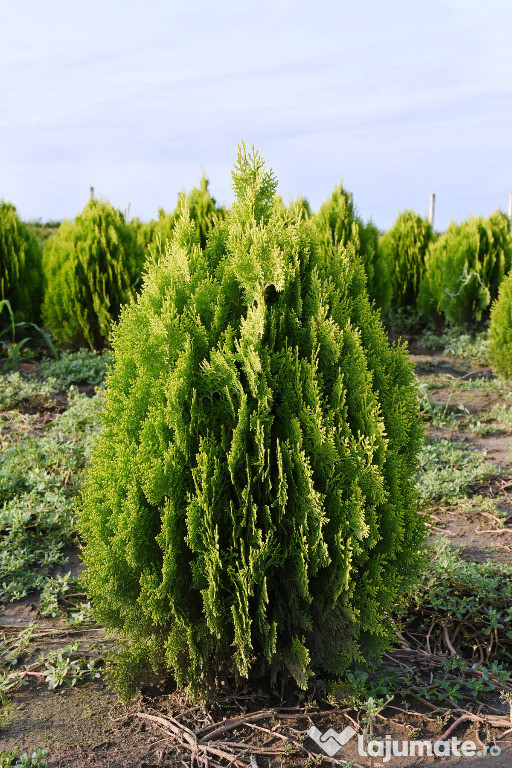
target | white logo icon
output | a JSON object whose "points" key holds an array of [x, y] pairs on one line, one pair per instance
{"points": [[331, 741]]}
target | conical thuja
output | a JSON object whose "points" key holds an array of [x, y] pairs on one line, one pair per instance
{"points": [[250, 500]]}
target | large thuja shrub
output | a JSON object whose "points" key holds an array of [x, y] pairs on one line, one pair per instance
{"points": [[251, 503], [465, 268], [406, 245], [21, 279], [92, 266], [340, 226], [500, 331]]}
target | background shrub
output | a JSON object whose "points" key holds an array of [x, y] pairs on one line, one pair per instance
{"points": [[405, 245], [251, 498], [203, 211], [21, 280], [339, 224], [465, 268], [500, 331], [92, 267]]}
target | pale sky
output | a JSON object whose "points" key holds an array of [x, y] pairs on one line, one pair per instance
{"points": [[399, 98]]}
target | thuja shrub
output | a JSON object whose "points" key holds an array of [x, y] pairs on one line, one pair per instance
{"points": [[339, 225], [203, 211], [92, 266], [465, 268], [406, 245], [500, 331], [250, 503], [21, 279]]}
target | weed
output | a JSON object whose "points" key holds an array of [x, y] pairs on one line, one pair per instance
{"points": [[75, 367], [15, 388], [57, 667], [459, 344], [498, 419], [57, 599], [481, 383], [39, 478], [466, 607], [447, 470], [37, 758]]}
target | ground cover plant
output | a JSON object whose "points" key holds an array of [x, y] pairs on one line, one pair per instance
{"points": [[250, 502], [39, 481], [92, 267]]}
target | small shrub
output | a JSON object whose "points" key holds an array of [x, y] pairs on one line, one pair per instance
{"points": [[500, 332], [250, 500], [465, 268], [339, 225], [21, 280], [92, 267], [406, 245]]}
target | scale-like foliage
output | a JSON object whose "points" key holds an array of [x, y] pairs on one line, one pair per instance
{"points": [[92, 267], [251, 500], [500, 331], [406, 245], [21, 280], [340, 226], [465, 268]]}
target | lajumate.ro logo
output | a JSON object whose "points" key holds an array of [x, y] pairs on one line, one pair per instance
{"points": [[331, 742]]}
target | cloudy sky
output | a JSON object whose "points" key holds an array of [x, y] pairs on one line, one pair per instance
{"points": [[399, 99]]}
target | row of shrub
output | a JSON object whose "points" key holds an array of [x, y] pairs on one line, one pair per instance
{"points": [[89, 268], [93, 265]]}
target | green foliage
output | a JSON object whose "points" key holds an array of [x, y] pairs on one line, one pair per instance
{"points": [[339, 225], [465, 268], [56, 668], [82, 366], [21, 281], [500, 332], [37, 758], [448, 469], [476, 598], [251, 498], [43, 231], [14, 388], [39, 479], [17, 349], [92, 267], [459, 615], [406, 245], [461, 344], [203, 211]]}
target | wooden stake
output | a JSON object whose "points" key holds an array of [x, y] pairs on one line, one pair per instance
{"points": [[431, 209]]}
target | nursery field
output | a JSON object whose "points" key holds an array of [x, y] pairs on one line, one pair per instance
{"points": [[449, 672]]}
